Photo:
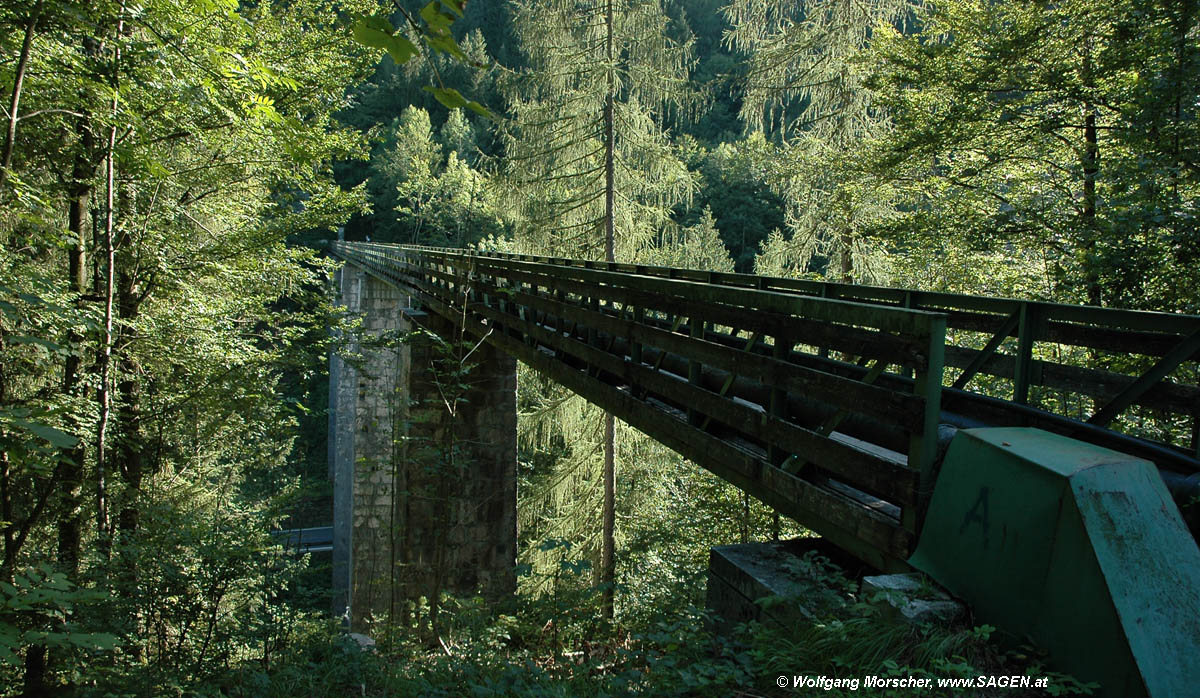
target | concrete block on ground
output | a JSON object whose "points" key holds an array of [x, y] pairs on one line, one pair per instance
{"points": [[741, 576], [913, 597]]}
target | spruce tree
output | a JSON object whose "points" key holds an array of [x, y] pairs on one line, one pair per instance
{"points": [[804, 85], [593, 174], [1064, 131]]}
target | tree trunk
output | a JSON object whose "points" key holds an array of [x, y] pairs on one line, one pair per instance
{"points": [[847, 261], [127, 457], [1091, 168], [103, 396], [70, 520], [608, 524], [10, 134], [1091, 171], [35, 673]]}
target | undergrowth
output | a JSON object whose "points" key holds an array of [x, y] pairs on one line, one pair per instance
{"points": [[555, 646]]}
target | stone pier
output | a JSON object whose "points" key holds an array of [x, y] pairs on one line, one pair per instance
{"points": [[424, 473]]}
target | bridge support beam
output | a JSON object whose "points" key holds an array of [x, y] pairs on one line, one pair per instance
{"points": [[424, 485]]}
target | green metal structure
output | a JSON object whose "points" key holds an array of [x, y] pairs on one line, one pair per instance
{"points": [[1076, 546]]}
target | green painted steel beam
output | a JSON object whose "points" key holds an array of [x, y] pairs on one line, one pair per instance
{"points": [[1079, 547]]}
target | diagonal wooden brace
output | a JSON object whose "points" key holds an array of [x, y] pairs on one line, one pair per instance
{"points": [[990, 348], [1182, 351]]}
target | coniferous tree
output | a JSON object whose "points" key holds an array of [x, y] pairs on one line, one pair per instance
{"points": [[594, 174], [1066, 131], [803, 83]]}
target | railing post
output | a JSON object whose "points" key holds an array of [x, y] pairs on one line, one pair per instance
{"points": [[695, 368], [909, 303], [922, 449], [635, 348], [1196, 434], [778, 397], [823, 351], [1028, 328]]}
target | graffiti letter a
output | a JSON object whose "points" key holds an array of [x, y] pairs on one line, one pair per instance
{"points": [[978, 512]]}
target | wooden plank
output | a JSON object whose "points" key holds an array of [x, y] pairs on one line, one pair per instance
{"points": [[1029, 326], [1103, 318], [842, 337], [1103, 338], [859, 398], [878, 476], [850, 340], [1147, 380], [845, 338], [1152, 334], [922, 450], [881, 403], [981, 357], [1164, 395]]}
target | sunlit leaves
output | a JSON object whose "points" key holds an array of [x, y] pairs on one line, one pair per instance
{"points": [[33, 609], [224, 140], [453, 99], [434, 31], [378, 32]]}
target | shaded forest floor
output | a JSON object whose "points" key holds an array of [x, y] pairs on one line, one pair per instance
{"points": [[556, 646]]}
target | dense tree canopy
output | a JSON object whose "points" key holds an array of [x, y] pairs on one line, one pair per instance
{"points": [[168, 165], [1065, 129]]}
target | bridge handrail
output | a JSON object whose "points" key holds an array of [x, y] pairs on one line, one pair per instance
{"points": [[1169, 341], [874, 367], [1123, 318]]}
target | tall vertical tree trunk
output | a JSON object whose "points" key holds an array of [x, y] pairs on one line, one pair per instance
{"points": [[608, 525], [1091, 171], [10, 134], [70, 520], [1091, 168], [127, 457], [103, 396], [847, 261], [35, 673]]}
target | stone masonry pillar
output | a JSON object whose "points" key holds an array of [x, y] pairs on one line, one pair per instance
{"points": [[424, 484]]}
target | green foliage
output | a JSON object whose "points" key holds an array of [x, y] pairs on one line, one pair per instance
{"points": [[423, 188], [433, 30], [1021, 149], [37, 608], [736, 186], [803, 80], [556, 139], [377, 32], [1058, 129], [554, 647], [143, 431]]}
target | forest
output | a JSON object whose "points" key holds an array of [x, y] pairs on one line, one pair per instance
{"points": [[170, 170]]}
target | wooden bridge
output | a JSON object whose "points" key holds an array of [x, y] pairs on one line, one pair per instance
{"points": [[823, 400]]}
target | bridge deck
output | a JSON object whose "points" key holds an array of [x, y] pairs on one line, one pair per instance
{"points": [[822, 400]]}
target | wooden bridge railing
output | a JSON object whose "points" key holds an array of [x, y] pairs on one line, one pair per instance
{"points": [[1106, 370], [732, 377]]}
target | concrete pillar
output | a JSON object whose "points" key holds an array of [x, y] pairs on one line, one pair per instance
{"points": [[424, 500], [342, 397], [459, 504]]}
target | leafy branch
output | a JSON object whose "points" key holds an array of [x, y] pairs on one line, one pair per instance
{"points": [[432, 26]]}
